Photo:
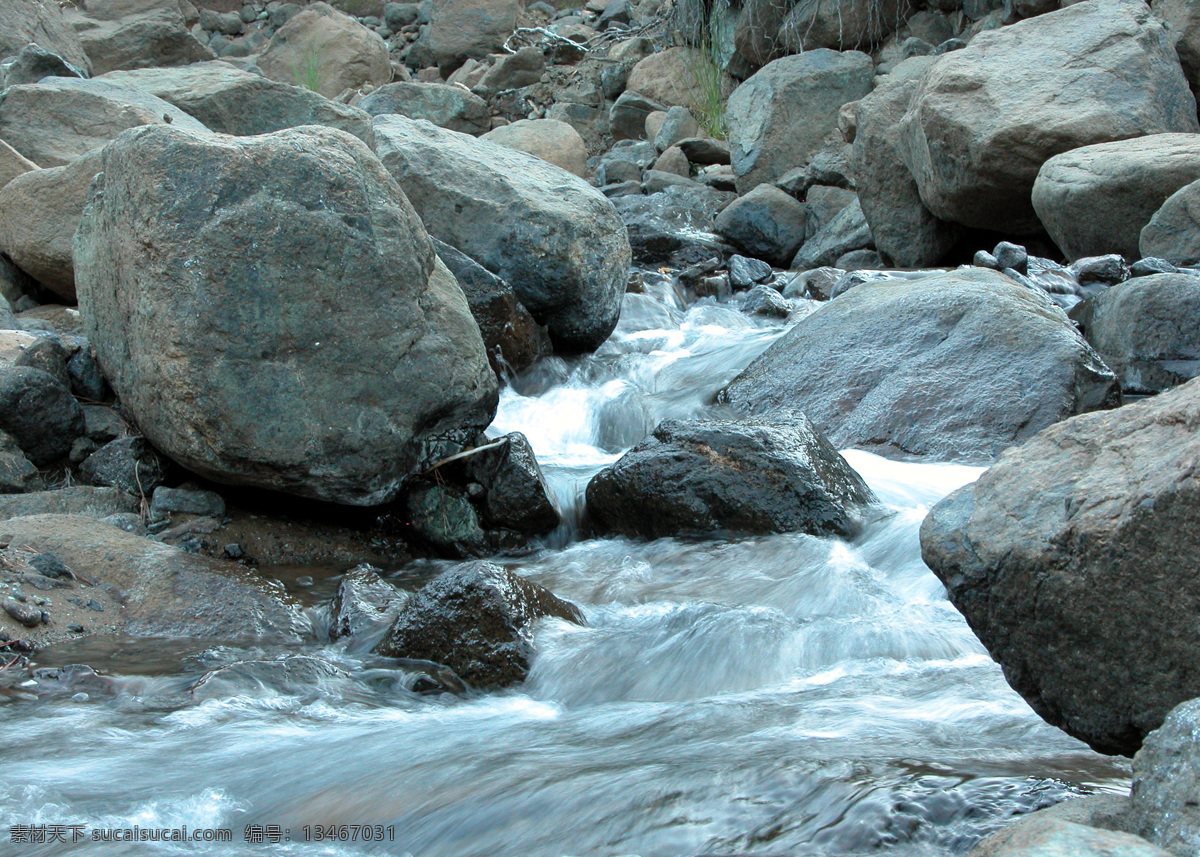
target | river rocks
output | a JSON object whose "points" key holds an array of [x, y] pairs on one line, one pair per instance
{"points": [[956, 366], [39, 213], [169, 501], [512, 338], [125, 34], [1054, 837], [193, 322], [1184, 32], [39, 413], [679, 76], [516, 496], [364, 606], [82, 500], [55, 121], [902, 227], [17, 473], [765, 223], [42, 23], [846, 232], [627, 116], [1166, 779], [31, 64], [127, 463], [1072, 560], [553, 141], [1097, 199], [462, 29], [1173, 233], [143, 588], [325, 51], [233, 101], [1147, 330], [702, 477], [12, 164], [841, 24], [985, 118], [557, 241], [779, 118], [475, 619], [442, 104]]}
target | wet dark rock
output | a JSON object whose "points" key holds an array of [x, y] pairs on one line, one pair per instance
{"points": [[921, 367], [49, 565], [444, 518], [1104, 270], [364, 606], [516, 496], [656, 181], [865, 259], [102, 423], [39, 413], [674, 227], [512, 338], [822, 203], [1151, 265], [1072, 559], [764, 300], [127, 463], [816, 284], [766, 223], [87, 381], [17, 473], [744, 273], [48, 355], [166, 501], [700, 477], [845, 232], [345, 405], [475, 619], [1166, 782], [1147, 330]]}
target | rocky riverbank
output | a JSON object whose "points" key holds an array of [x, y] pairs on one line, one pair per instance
{"points": [[270, 269]]}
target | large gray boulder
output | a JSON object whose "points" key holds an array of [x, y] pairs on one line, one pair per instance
{"points": [[26, 21], [766, 224], [55, 121], [465, 29], [555, 239], [1097, 199], [1147, 330], [440, 103], [847, 231], [1054, 837], [39, 413], [903, 228], [553, 141], [780, 116], [1173, 233], [273, 313], [701, 477], [122, 34], [955, 366], [39, 213], [477, 619], [1166, 781], [1073, 560], [841, 24], [985, 118], [681, 76], [232, 101], [326, 51], [144, 588], [13, 164], [1183, 18]]}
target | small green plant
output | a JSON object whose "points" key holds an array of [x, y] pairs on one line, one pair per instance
{"points": [[308, 74], [710, 83], [702, 25]]}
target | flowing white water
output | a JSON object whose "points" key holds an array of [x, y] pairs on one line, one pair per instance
{"points": [[778, 695]]}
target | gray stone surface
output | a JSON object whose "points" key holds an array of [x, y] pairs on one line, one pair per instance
{"points": [[956, 366], [326, 51], [39, 413], [556, 240], [985, 118], [440, 103], [703, 477], [847, 231], [198, 312], [1173, 233], [477, 620], [233, 101], [74, 500], [779, 118], [1097, 199], [459, 29], [1072, 560], [766, 224], [125, 34], [43, 24], [1166, 782], [1147, 330]]}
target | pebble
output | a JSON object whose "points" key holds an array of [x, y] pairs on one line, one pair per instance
{"points": [[75, 628], [27, 615], [95, 605]]}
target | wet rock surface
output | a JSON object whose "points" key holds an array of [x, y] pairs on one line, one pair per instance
{"points": [[702, 477], [1070, 560], [475, 619]]}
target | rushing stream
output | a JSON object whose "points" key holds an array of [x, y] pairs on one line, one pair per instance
{"points": [[782, 695]]}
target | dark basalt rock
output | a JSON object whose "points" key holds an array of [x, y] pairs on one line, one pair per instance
{"points": [[475, 619]]}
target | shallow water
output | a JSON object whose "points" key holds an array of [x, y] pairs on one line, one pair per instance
{"points": [[768, 696]]}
